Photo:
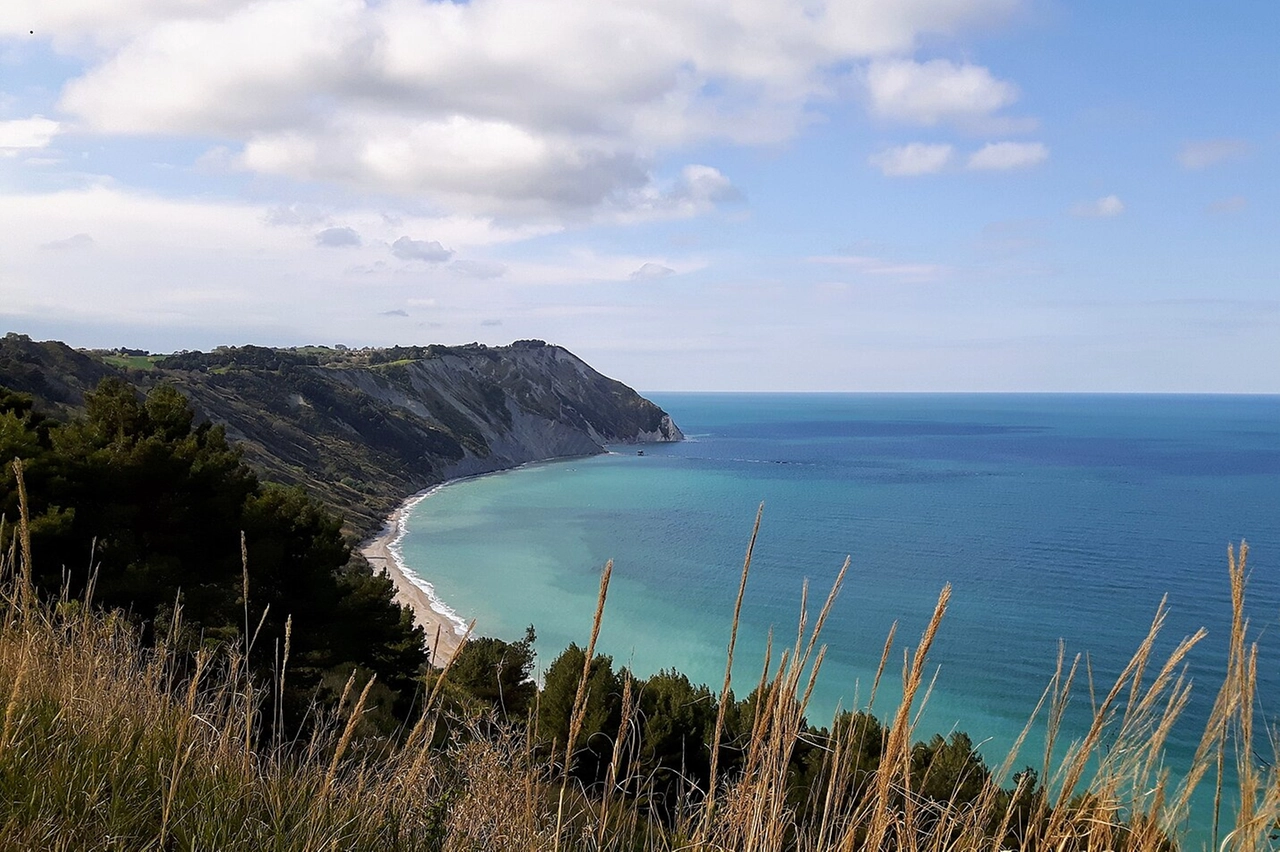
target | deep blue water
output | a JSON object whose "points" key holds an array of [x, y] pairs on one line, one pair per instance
{"points": [[1054, 517]]}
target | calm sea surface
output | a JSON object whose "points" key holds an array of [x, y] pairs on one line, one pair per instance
{"points": [[1052, 517]]}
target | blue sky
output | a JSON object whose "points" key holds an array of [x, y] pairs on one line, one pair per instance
{"points": [[916, 195]]}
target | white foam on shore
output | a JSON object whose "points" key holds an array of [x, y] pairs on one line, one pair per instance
{"points": [[401, 516], [394, 547]]}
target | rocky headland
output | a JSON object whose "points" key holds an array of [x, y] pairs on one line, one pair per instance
{"points": [[363, 429]]}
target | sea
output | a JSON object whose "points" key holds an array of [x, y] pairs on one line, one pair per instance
{"points": [[1060, 522]]}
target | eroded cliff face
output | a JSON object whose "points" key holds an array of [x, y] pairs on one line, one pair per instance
{"points": [[361, 431], [513, 404]]}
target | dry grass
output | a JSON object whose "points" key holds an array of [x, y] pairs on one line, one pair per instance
{"points": [[106, 744]]}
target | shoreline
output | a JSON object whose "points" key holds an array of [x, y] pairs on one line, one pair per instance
{"points": [[443, 627]]}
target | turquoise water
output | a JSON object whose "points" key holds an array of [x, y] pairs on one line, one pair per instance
{"points": [[1053, 517]]}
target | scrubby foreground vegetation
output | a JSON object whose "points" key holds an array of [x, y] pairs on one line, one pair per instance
{"points": [[164, 512], [107, 742], [188, 661]]}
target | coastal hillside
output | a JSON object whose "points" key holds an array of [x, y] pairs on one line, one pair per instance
{"points": [[361, 429], [52, 373]]}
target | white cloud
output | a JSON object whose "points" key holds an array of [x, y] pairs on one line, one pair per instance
{"points": [[338, 238], [465, 163], [864, 28], [241, 275], [24, 134], [1004, 156], [1210, 152], [1104, 208], [650, 270], [937, 91], [703, 186], [697, 190], [482, 269], [137, 242], [75, 241], [89, 25], [917, 158], [428, 250], [878, 27], [295, 214], [559, 108]]}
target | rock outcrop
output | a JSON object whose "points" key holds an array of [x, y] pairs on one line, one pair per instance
{"points": [[363, 429]]}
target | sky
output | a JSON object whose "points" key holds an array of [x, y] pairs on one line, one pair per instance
{"points": [[838, 195]]}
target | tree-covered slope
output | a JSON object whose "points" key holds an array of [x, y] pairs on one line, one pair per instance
{"points": [[361, 429], [54, 374], [136, 506]]}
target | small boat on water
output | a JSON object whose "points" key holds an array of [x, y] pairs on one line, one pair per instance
{"points": [[639, 452]]}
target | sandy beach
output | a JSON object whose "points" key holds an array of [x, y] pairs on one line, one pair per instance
{"points": [[441, 632]]}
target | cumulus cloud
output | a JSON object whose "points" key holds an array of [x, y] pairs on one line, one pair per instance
{"points": [[1004, 156], [73, 23], [652, 270], [1104, 208], [482, 269], [338, 238], [240, 273], [868, 27], [76, 241], [917, 158], [1210, 152], [428, 250], [702, 185], [504, 107], [935, 92], [467, 163], [697, 190], [23, 134]]}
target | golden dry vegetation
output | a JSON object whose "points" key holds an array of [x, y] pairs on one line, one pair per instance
{"points": [[109, 744]]}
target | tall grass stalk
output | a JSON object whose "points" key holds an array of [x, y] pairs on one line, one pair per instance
{"points": [[713, 775], [579, 709]]}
